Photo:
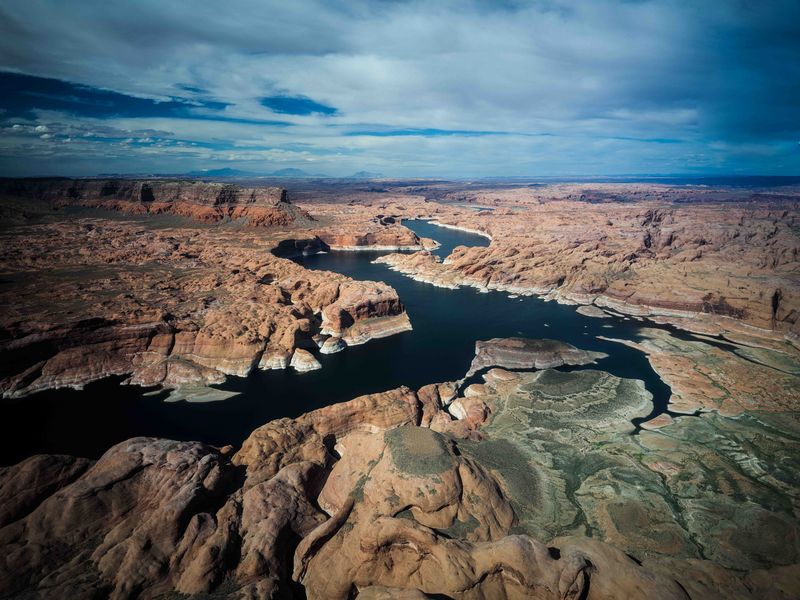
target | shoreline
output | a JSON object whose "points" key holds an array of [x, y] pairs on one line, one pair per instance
{"points": [[433, 221], [686, 320]]}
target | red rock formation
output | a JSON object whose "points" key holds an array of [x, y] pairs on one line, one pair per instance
{"points": [[711, 268], [207, 202], [522, 353], [167, 306], [385, 237], [404, 515]]}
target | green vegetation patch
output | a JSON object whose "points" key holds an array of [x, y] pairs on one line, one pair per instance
{"points": [[560, 384], [419, 450], [504, 457]]}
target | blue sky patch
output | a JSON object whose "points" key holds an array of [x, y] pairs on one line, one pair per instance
{"points": [[296, 105], [23, 94], [421, 132], [464, 89]]}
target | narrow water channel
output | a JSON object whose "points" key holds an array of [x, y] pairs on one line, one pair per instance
{"points": [[440, 348]]}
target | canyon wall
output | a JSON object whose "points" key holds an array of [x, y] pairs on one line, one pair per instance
{"points": [[207, 202], [706, 268], [95, 298], [487, 493]]}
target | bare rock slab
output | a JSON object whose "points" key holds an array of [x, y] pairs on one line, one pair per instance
{"points": [[524, 353], [303, 361]]}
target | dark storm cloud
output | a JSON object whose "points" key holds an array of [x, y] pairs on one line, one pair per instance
{"points": [[406, 88]]}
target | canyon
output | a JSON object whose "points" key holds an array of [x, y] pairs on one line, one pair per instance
{"points": [[723, 270], [552, 467], [390, 492]]}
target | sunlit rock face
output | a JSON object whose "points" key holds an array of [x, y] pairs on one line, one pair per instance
{"points": [[521, 353], [529, 484], [168, 306], [208, 202], [709, 264], [731, 378], [390, 496]]}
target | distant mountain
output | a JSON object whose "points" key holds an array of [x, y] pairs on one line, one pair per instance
{"points": [[225, 172], [366, 175], [228, 172], [290, 172]]}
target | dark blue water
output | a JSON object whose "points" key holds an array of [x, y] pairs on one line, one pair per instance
{"points": [[440, 348]]}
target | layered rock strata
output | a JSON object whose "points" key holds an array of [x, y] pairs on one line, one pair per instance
{"points": [[524, 353], [303, 361], [562, 443], [704, 374], [381, 237], [386, 496], [86, 299], [207, 202], [720, 269]]}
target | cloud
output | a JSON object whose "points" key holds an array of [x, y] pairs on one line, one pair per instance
{"points": [[448, 88], [422, 132]]}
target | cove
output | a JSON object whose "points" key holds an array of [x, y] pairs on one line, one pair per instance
{"points": [[440, 348]]}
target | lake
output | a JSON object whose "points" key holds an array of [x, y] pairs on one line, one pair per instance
{"points": [[440, 348]]}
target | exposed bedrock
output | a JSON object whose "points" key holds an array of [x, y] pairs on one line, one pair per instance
{"points": [[387, 496], [387, 237], [208, 202], [167, 308], [709, 268], [562, 443], [411, 512], [730, 379], [154, 516], [300, 247], [523, 353], [303, 361]]}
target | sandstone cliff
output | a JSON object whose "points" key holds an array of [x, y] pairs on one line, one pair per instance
{"points": [[168, 306], [707, 268], [208, 202], [387, 496]]}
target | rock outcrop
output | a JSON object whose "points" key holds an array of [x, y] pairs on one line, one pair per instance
{"points": [[207, 202], [167, 306], [704, 374], [522, 353], [382, 237], [526, 485], [303, 360], [383, 497], [721, 269], [562, 444]]}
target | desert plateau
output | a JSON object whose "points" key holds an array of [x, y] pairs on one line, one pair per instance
{"points": [[509, 477], [400, 300]]}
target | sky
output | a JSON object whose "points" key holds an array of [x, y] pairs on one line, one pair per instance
{"points": [[460, 88]]}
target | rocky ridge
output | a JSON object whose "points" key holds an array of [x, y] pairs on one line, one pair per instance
{"points": [[168, 306], [201, 201], [726, 270], [704, 374], [389, 496], [698, 506], [523, 353]]}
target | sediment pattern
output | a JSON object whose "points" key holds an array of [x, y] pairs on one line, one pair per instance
{"points": [[728, 378], [386, 496]]}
